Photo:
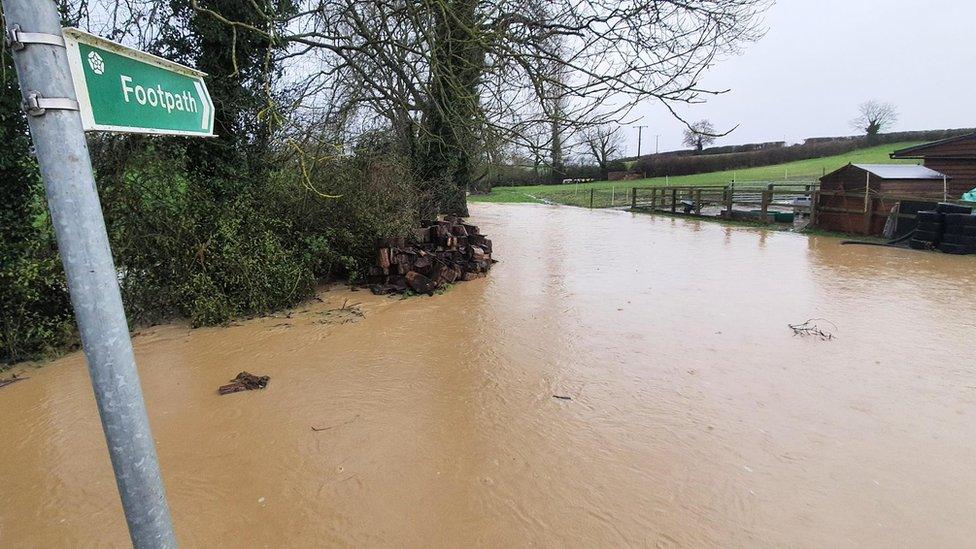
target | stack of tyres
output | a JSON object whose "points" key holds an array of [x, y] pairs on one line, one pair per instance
{"points": [[928, 231], [959, 234]]}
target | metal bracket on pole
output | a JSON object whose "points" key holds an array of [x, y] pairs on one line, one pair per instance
{"points": [[35, 104], [17, 39]]}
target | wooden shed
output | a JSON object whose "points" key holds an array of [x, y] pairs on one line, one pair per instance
{"points": [[955, 157], [858, 197]]}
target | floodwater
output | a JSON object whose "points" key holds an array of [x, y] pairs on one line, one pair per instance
{"points": [[695, 417]]}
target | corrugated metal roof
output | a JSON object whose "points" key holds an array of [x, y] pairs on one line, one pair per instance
{"points": [[900, 171]]}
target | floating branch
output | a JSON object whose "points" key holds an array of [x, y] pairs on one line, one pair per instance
{"points": [[811, 328], [11, 380]]}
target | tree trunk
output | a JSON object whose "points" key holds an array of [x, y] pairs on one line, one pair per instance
{"points": [[873, 130], [558, 170], [449, 129]]}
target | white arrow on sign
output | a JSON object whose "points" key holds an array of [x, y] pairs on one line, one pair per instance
{"points": [[206, 105]]}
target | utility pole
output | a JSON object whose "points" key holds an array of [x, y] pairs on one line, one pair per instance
{"points": [[640, 132], [657, 142], [38, 49]]}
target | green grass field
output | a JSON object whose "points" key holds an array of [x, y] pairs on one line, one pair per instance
{"points": [[802, 170]]}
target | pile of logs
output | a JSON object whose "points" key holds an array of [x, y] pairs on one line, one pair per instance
{"points": [[441, 252]]}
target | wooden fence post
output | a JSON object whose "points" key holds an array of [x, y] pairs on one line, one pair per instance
{"points": [[653, 199], [591, 198], [674, 199], [697, 201], [814, 206], [729, 199], [766, 197], [633, 198], [868, 215], [867, 203]]}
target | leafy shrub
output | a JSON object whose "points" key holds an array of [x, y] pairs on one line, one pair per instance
{"points": [[35, 314], [205, 249]]}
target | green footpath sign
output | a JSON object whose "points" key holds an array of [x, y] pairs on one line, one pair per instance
{"points": [[120, 89]]}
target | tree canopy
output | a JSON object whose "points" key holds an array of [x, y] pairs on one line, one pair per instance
{"points": [[874, 117], [700, 135]]}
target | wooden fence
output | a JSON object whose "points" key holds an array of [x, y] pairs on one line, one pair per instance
{"points": [[849, 212], [725, 197]]}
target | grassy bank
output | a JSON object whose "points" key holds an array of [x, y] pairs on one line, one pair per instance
{"points": [[802, 170]]}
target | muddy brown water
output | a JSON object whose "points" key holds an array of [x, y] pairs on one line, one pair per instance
{"points": [[696, 417]]}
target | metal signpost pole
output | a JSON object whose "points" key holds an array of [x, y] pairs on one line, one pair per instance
{"points": [[34, 35]]}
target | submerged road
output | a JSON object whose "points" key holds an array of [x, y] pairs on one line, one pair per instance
{"points": [[617, 380]]}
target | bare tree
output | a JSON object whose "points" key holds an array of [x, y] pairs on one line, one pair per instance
{"points": [[875, 117], [604, 143], [700, 135], [447, 75]]}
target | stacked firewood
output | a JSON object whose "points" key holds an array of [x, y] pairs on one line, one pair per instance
{"points": [[441, 252]]}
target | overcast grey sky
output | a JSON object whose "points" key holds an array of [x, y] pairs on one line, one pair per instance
{"points": [[821, 58]]}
